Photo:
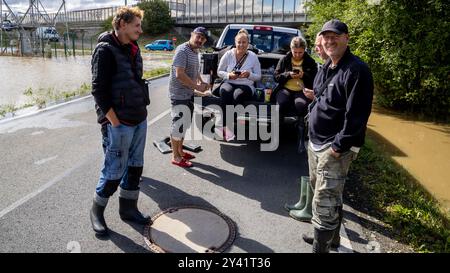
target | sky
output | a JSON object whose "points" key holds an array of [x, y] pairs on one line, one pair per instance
{"points": [[53, 5]]}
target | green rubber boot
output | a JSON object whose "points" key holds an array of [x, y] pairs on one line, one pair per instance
{"points": [[304, 181], [305, 214]]}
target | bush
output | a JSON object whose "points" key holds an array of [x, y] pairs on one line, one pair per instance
{"points": [[107, 24], [157, 17], [405, 43]]}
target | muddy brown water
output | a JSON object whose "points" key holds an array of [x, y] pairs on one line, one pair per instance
{"points": [[422, 148], [17, 74]]}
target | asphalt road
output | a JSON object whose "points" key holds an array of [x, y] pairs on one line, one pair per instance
{"points": [[50, 166]]}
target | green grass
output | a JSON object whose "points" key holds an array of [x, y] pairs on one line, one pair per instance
{"points": [[156, 72], [391, 193], [7, 108], [44, 96]]}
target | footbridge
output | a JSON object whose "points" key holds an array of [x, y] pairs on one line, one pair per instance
{"points": [[210, 13]]}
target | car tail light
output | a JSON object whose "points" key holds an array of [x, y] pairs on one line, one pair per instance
{"points": [[263, 28]]}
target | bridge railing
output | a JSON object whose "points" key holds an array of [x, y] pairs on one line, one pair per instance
{"points": [[243, 18], [186, 13]]}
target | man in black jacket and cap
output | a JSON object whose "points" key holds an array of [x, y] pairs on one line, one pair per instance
{"points": [[338, 119], [121, 98]]}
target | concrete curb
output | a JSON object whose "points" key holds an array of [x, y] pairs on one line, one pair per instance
{"points": [[52, 107], [158, 77]]}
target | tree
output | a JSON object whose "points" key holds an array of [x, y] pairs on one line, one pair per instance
{"points": [[405, 43], [157, 18]]}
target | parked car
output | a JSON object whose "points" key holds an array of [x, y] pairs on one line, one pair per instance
{"points": [[166, 45], [47, 33], [7, 25]]}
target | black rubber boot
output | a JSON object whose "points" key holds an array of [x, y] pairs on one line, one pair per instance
{"points": [[322, 240], [97, 219], [336, 242], [129, 212]]}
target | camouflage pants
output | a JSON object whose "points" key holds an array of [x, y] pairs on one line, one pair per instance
{"points": [[327, 177]]}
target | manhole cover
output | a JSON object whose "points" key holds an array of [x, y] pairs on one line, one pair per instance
{"points": [[190, 230]]}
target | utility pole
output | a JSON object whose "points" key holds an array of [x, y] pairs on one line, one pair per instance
{"points": [[126, 3]]}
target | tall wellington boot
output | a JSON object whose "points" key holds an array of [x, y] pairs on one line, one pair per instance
{"points": [[322, 240], [97, 219], [305, 214], [336, 242], [304, 181], [128, 209], [129, 212]]}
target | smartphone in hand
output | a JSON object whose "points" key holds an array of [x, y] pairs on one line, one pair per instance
{"points": [[237, 72], [296, 71]]}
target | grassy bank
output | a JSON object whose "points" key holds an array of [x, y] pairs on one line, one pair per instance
{"points": [[385, 190], [156, 72], [43, 97]]}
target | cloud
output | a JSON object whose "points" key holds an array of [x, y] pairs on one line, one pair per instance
{"points": [[53, 5]]}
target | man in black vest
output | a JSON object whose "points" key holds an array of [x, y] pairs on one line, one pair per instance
{"points": [[343, 88], [121, 98]]}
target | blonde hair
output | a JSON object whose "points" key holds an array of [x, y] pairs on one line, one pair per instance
{"points": [[298, 42], [242, 32], [127, 14]]}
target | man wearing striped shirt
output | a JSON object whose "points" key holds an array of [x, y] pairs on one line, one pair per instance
{"points": [[183, 81]]}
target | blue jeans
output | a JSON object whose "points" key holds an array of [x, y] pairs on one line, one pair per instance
{"points": [[124, 148]]}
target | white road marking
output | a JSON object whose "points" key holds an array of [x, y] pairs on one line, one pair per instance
{"points": [[47, 185], [158, 117], [37, 133], [45, 160]]}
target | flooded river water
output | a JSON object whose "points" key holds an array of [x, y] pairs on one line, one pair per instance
{"points": [[17, 74], [422, 148]]}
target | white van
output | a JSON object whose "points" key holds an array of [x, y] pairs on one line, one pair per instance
{"points": [[47, 33]]}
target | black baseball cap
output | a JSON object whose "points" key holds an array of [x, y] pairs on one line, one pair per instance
{"points": [[201, 30], [335, 26]]}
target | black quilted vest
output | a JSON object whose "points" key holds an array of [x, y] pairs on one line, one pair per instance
{"points": [[128, 90]]}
